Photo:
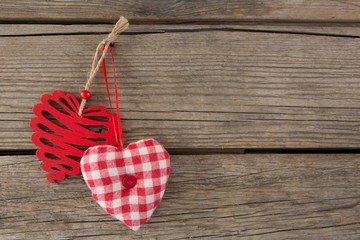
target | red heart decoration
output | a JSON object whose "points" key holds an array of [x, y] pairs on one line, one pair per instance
{"points": [[62, 136], [130, 183]]}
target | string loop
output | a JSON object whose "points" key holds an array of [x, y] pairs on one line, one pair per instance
{"points": [[116, 122], [100, 53]]}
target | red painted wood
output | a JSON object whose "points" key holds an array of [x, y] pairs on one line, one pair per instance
{"points": [[62, 136]]}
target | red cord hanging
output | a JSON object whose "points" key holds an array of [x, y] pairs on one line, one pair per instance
{"points": [[117, 127]]}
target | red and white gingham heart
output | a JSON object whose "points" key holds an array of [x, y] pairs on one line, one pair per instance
{"points": [[108, 171]]}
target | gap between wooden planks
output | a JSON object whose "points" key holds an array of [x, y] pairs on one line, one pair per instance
{"points": [[191, 89], [185, 11], [316, 29], [209, 196]]}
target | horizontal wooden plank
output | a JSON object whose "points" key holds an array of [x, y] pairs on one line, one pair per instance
{"points": [[198, 89], [180, 11], [341, 29], [217, 196]]}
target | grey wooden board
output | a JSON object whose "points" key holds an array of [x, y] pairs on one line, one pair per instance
{"points": [[180, 11], [197, 89], [208, 196], [336, 29]]}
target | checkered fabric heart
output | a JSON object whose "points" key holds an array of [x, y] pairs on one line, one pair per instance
{"points": [[130, 183]]}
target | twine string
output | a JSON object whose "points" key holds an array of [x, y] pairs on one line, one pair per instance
{"points": [[100, 53]]}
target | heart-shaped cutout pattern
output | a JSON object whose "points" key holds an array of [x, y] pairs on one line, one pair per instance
{"points": [[62, 136], [130, 183]]}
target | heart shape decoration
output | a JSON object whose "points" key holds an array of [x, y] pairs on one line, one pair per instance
{"points": [[62, 136], [130, 183]]}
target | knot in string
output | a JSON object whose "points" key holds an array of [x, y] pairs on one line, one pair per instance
{"points": [[100, 53]]}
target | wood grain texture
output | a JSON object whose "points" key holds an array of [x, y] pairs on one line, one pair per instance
{"points": [[180, 11], [198, 89], [217, 196], [330, 29], [234, 75]]}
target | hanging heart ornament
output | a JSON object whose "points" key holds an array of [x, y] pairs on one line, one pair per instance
{"points": [[62, 135], [130, 183]]}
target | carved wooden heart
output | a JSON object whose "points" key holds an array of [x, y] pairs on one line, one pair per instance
{"points": [[62, 136]]}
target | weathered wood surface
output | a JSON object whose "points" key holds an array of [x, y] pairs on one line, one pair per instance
{"points": [[211, 88], [234, 75], [180, 11], [327, 29], [216, 196]]}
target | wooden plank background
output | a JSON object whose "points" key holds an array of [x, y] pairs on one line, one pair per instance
{"points": [[210, 80], [209, 196], [236, 90], [165, 11]]}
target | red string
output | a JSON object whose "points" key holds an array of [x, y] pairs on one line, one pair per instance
{"points": [[117, 123]]}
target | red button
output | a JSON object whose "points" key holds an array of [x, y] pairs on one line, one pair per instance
{"points": [[129, 181]]}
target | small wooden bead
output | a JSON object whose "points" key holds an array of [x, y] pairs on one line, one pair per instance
{"points": [[85, 94]]}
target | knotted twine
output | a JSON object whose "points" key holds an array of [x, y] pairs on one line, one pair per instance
{"points": [[100, 53]]}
